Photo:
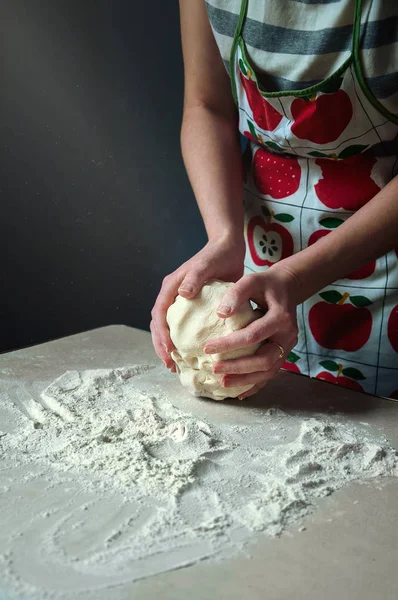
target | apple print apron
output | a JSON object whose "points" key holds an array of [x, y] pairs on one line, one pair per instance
{"points": [[316, 156]]}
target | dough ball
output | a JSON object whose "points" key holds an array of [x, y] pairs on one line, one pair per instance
{"points": [[192, 323]]}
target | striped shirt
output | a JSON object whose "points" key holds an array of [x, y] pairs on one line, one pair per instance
{"points": [[294, 44]]}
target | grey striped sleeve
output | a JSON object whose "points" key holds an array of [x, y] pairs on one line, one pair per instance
{"points": [[270, 38]]}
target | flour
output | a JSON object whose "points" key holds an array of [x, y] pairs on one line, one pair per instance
{"points": [[323, 458], [176, 489], [99, 426]]}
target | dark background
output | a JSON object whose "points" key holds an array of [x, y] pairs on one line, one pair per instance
{"points": [[95, 204]]}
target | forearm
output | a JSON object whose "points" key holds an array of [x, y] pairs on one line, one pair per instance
{"points": [[368, 234], [211, 152]]}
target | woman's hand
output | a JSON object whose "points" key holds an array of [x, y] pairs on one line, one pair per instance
{"points": [[221, 259], [276, 292]]}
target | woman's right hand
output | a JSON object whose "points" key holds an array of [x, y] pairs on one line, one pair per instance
{"points": [[221, 259]]}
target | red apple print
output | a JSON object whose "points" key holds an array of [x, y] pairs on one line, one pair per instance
{"points": [[321, 120], [287, 366], [268, 241], [264, 114], [339, 326], [343, 381], [332, 223], [392, 328], [290, 363], [346, 377], [362, 272], [274, 175], [346, 183]]}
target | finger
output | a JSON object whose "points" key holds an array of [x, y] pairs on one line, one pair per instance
{"points": [[258, 377], [255, 332], [161, 338], [241, 380], [254, 390], [245, 289], [161, 348], [264, 359], [165, 299], [193, 282], [159, 328]]}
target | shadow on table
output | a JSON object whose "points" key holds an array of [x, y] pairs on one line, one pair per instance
{"points": [[298, 393]]}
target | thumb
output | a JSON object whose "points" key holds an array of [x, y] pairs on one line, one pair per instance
{"points": [[238, 294], [193, 283]]}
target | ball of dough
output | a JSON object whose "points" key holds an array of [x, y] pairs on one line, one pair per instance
{"points": [[192, 323]]}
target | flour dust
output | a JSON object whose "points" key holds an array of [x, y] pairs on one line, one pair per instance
{"points": [[167, 488]]}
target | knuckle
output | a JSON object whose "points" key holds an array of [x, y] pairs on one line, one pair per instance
{"points": [[284, 319], [200, 274], [196, 277], [267, 364], [231, 297], [254, 336], [167, 281], [249, 280], [244, 286], [202, 266]]}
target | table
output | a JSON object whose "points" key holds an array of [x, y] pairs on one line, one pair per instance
{"points": [[348, 550]]}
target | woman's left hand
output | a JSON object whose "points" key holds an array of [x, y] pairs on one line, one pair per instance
{"points": [[276, 292]]}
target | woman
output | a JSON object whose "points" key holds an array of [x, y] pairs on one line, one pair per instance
{"points": [[313, 88]]}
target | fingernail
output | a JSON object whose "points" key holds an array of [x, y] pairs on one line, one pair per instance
{"points": [[224, 309], [210, 350], [186, 288], [218, 369], [224, 381]]}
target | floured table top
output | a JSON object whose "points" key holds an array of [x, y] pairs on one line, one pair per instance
{"points": [[61, 538]]}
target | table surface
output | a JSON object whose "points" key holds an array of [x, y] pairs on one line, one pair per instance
{"points": [[349, 549]]}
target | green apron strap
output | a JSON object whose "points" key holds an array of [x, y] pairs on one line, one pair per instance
{"points": [[238, 31], [358, 65]]}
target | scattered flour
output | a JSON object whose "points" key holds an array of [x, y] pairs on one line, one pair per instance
{"points": [[98, 425], [185, 490]]}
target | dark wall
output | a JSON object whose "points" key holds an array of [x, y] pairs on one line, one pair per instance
{"points": [[95, 204]]}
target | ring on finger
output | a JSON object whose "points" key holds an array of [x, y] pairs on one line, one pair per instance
{"points": [[281, 348]]}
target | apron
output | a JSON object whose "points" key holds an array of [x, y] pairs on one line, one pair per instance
{"points": [[317, 155]]}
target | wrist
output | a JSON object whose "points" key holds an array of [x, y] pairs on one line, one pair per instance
{"points": [[226, 228], [291, 280], [311, 269], [229, 238]]}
